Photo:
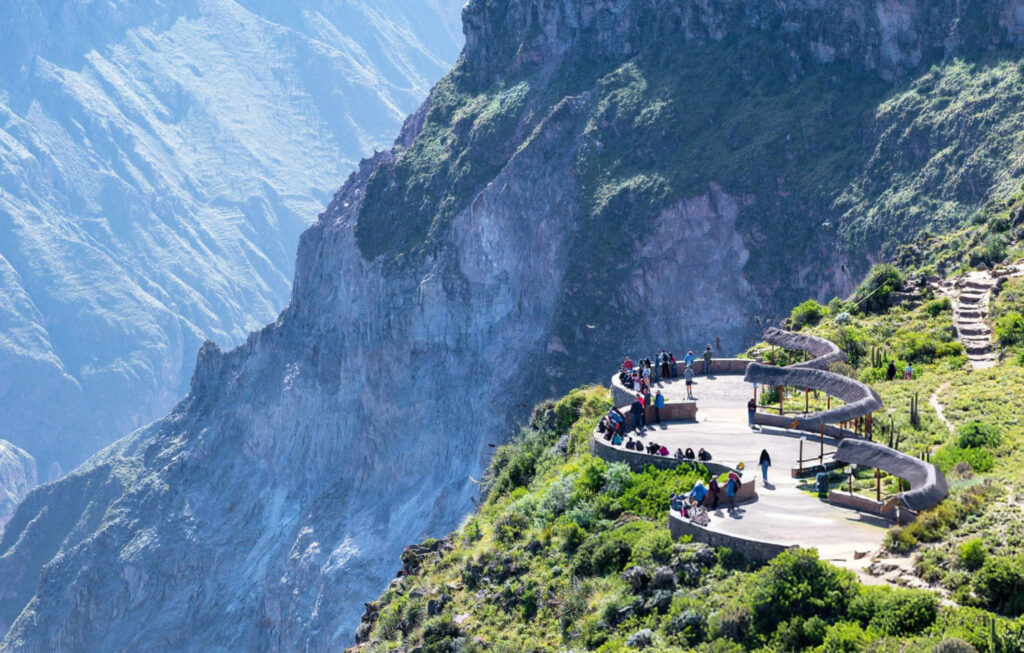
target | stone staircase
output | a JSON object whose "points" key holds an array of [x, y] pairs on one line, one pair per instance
{"points": [[970, 294]]}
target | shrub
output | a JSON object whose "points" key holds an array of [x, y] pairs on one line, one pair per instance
{"points": [[953, 645], [808, 314], [798, 584], [1000, 584], [845, 637], [937, 307], [874, 294], [1010, 328], [899, 540], [734, 622], [972, 553], [974, 435], [647, 494], [947, 457], [529, 607], [602, 555], [894, 611]]}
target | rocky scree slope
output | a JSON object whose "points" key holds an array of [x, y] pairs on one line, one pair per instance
{"points": [[592, 177], [158, 162]]}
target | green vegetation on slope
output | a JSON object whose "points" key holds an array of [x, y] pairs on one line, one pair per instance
{"points": [[568, 552]]}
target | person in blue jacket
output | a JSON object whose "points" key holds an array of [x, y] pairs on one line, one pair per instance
{"points": [[659, 401]]}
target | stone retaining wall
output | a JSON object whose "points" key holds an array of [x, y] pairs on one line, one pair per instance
{"points": [[637, 460], [753, 549], [870, 506]]}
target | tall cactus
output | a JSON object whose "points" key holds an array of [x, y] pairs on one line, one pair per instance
{"points": [[915, 416]]}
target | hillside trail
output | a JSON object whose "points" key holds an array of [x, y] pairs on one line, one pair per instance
{"points": [[970, 294], [937, 405]]}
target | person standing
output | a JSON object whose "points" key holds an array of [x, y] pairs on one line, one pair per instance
{"points": [[707, 358], [674, 365], [636, 410], [627, 364], [751, 412], [688, 359], [765, 461], [688, 375], [908, 372], [659, 402], [714, 489], [646, 374], [666, 371], [890, 372], [731, 488]]}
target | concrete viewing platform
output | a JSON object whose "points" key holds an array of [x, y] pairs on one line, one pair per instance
{"points": [[778, 515]]}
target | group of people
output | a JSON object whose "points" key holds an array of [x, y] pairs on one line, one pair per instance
{"points": [[890, 371], [639, 375], [688, 504]]}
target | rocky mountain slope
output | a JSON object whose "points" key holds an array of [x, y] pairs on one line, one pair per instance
{"points": [[591, 178], [17, 477], [157, 164]]}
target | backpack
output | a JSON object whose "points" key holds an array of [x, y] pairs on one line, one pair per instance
{"points": [[617, 440]]}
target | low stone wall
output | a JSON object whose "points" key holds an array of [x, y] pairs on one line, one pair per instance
{"points": [[753, 549], [637, 460], [870, 506], [623, 397], [786, 421]]}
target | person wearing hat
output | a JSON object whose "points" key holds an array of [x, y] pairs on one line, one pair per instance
{"points": [[707, 359]]}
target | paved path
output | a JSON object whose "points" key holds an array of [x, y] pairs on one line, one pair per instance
{"points": [[782, 513]]}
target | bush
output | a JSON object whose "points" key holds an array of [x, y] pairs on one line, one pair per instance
{"points": [[899, 540], [972, 554], [845, 637], [1010, 328], [975, 435], [602, 555], [1000, 585], [953, 645], [895, 611], [808, 314], [647, 493], [937, 307], [947, 458], [798, 584], [874, 294]]}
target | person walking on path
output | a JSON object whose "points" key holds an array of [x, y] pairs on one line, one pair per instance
{"points": [[765, 462], [751, 412], [688, 375], [908, 372], [890, 372], [688, 359], [707, 358], [659, 402]]}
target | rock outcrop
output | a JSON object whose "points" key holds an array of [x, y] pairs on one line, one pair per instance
{"points": [[514, 241], [17, 476]]}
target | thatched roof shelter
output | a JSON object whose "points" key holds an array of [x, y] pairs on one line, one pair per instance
{"points": [[928, 484]]}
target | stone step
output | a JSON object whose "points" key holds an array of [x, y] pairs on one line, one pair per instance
{"points": [[979, 329], [980, 285], [975, 351], [971, 299], [969, 314]]}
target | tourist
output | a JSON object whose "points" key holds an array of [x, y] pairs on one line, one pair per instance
{"points": [[751, 412], [636, 410], [689, 453], [765, 462], [707, 358], [617, 419], [627, 365], [908, 372], [714, 489], [659, 403], [666, 370], [890, 372], [731, 488], [703, 455], [679, 455], [698, 493], [688, 375], [648, 403], [645, 375], [617, 440], [674, 365], [688, 359]]}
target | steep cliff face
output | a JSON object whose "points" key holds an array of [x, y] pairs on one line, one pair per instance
{"points": [[592, 178], [17, 477], [158, 162]]}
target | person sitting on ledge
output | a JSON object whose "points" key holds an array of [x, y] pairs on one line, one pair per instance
{"points": [[697, 494], [663, 450], [617, 440], [689, 453], [652, 447], [679, 455], [703, 454], [627, 364]]}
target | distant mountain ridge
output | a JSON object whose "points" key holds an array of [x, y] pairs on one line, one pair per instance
{"points": [[157, 164]]}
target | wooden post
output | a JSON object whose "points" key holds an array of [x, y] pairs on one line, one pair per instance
{"points": [[807, 400], [800, 462], [782, 393], [821, 442], [878, 485], [870, 426], [828, 398], [899, 485], [851, 480]]}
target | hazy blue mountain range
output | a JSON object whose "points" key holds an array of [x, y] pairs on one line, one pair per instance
{"points": [[158, 161]]}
